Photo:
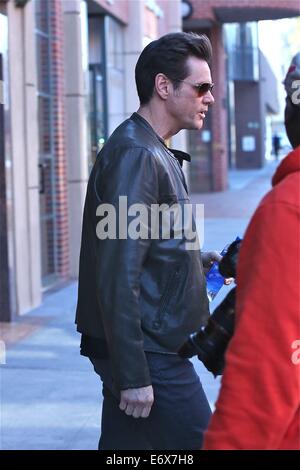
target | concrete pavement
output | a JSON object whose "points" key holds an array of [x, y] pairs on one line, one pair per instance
{"points": [[50, 397]]}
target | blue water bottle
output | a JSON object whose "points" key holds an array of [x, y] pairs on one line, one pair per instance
{"points": [[214, 279]]}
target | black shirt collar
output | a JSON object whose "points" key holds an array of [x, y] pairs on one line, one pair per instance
{"points": [[179, 154]]}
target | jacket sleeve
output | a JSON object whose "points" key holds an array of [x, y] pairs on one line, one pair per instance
{"points": [[259, 397], [130, 173]]}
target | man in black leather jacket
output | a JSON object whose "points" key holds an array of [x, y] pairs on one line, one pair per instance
{"points": [[139, 297]]}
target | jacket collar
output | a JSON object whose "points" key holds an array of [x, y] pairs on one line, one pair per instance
{"points": [[179, 154], [290, 164]]}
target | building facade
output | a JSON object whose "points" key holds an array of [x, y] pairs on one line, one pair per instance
{"points": [[236, 131], [68, 81]]}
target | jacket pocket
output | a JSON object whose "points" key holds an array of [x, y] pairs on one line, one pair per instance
{"points": [[170, 290]]}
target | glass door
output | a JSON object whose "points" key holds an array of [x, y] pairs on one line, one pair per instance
{"points": [[97, 118], [97, 85], [8, 300]]}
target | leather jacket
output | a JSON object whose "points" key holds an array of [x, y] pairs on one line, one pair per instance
{"points": [[137, 295]]}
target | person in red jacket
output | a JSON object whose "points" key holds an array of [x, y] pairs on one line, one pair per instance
{"points": [[259, 402]]}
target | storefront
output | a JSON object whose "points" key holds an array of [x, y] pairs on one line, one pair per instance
{"points": [[70, 82]]}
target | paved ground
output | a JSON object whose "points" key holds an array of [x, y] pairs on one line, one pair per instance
{"points": [[50, 398]]}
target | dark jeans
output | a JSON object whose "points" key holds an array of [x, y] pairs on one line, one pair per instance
{"points": [[178, 417]]}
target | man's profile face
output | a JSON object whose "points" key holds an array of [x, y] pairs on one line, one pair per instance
{"points": [[185, 106]]}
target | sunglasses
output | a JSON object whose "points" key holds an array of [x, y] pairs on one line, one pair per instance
{"points": [[201, 88]]}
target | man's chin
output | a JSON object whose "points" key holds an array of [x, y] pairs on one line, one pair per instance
{"points": [[198, 124], [195, 125]]}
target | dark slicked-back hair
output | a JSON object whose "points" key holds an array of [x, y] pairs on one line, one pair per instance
{"points": [[168, 55]]}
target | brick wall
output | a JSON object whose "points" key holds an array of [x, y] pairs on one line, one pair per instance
{"points": [[59, 145], [204, 9]]}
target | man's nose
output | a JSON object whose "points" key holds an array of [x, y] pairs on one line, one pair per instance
{"points": [[209, 98]]}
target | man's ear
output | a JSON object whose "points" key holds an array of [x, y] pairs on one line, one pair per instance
{"points": [[162, 86]]}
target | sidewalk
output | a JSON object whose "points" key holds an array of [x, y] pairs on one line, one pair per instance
{"points": [[50, 397]]}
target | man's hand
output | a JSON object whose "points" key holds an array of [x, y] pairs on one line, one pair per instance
{"points": [[208, 258], [137, 402]]}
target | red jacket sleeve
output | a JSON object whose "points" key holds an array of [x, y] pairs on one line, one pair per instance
{"points": [[258, 403]]}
